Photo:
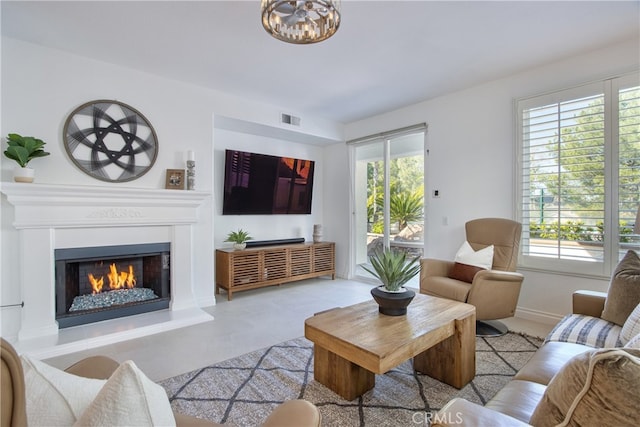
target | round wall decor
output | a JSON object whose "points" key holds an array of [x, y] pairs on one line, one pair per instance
{"points": [[110, 141]]}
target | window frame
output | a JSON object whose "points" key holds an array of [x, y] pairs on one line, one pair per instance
{"points": [[611, 245]]}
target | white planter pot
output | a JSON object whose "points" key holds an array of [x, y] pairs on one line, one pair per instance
{"points": [[23, 174], [239, 246]]}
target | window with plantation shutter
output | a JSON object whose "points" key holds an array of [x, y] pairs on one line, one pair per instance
{"points": [[579, 170]]}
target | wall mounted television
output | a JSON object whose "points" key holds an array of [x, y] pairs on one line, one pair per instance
{"points": [[260, 184]]}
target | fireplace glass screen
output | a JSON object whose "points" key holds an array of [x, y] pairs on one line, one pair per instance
{"points": [[100, 283]]}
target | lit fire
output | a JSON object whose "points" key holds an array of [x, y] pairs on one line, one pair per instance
{"points": [[117, 280], [96, 284]]}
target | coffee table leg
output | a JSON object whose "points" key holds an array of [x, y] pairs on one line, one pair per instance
{"points": [[345, 378], [453, 361]]}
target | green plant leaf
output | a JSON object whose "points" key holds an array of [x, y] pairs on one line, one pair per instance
{"points": [[19, 154], [239, 236], [39, 153], [23, 149], [392, 268]]}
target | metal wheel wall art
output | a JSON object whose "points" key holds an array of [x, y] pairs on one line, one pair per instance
{"points": [[110, 141]]}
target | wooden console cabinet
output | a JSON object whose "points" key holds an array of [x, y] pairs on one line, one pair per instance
{"points": [[272, 265]]}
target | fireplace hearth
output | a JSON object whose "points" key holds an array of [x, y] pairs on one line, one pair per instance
{"points": [[100, 283]]}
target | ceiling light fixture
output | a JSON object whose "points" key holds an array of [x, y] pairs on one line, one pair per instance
{"points": [[301, 22]]}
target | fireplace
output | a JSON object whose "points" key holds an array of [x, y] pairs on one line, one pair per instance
{"points": [[100, 283], [81, 216]]}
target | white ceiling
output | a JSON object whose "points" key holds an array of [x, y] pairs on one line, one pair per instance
{"points": [[386, 54]]}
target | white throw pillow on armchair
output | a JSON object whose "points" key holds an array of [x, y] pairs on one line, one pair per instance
{"points": [[482, 258], [55, 397], [129, 398], [469, 262]]}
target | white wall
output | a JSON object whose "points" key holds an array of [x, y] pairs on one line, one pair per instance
{"points": [[471, 160], [337, 209], [41, 86]]}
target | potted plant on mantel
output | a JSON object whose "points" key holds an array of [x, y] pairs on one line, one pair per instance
{"points": [[23, 149], [393, 269], [239, 239]]}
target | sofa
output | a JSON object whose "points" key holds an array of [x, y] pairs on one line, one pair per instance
{"points": [[96, 372], [581, 375]]}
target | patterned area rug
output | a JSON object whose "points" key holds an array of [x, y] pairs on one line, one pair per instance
{"points": [[243, 391]]}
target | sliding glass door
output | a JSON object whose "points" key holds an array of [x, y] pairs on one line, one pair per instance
{"points": [[388, 197]]}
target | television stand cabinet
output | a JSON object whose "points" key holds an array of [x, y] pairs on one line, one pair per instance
{"points": [[258, 267]]}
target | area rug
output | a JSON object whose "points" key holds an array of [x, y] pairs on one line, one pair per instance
{"points": [[243, 391]]}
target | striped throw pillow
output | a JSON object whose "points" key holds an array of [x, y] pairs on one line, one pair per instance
{"points": [[586, 330]]}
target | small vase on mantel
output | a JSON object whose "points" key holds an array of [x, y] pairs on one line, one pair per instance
{"points": [[23, 174]]}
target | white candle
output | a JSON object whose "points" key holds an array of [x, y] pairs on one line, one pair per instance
{"points": [[191, 155]]}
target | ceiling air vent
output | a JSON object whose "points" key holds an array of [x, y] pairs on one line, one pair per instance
{"points": [[288, 119]]}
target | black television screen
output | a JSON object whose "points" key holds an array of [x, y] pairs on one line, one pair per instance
{"points": [[260, 184]]}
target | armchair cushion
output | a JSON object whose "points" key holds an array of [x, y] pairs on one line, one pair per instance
{"points": [[54, 397], [445, 287], [624, 290], [598, 387], [464, 272]]}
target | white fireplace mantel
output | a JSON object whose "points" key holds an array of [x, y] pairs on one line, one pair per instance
{"points": [[69, 206], [50, 217]]}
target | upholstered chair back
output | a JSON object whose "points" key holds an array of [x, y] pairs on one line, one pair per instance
{"points": [[504, 234], [13, 411]]}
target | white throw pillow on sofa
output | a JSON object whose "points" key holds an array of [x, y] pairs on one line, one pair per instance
{"points": [[55, 397], [631, 326], [633, 342], [129, 398]]}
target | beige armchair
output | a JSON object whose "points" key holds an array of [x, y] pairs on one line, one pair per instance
{"points": [[494, 292], [292, 413]]}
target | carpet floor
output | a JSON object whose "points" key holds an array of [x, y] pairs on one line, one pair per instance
{"points": [[244, 390]]}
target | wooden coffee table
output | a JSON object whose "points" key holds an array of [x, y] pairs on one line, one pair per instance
{"points": [[352, 344]]}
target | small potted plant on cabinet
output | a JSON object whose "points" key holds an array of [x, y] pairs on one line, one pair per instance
{"points": [[393, 269], [23, 149], [239, 239]]}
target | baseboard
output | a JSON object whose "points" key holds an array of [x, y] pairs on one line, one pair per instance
{"points": [[538, 316]]}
